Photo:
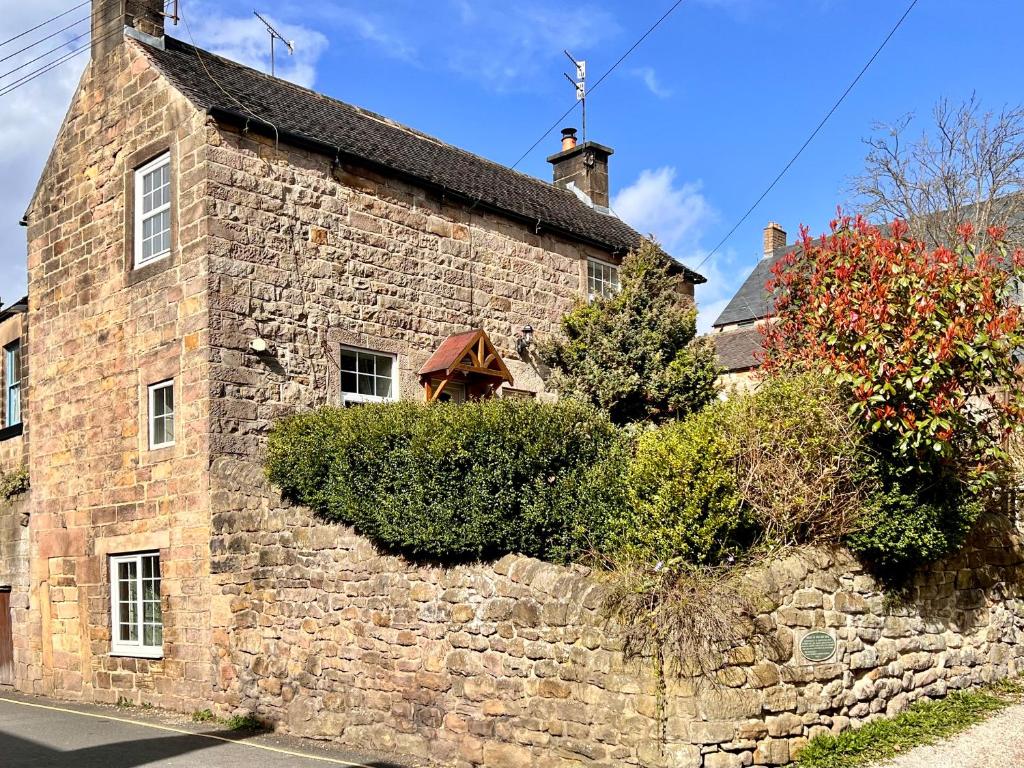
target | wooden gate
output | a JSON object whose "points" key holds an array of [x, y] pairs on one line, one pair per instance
{"points": [[6, 638]]}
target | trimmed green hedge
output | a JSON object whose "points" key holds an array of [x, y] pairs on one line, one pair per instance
{"points": [[456, 482]]}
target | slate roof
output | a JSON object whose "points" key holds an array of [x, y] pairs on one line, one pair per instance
{"points": [[751, 301], [737, 350], [19, 306], [220, 87]]}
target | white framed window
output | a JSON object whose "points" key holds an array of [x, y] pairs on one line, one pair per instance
{"points": [[153, 210], [136, 620], [602, 279], [368, 377], [12, 384], [161, 414]]}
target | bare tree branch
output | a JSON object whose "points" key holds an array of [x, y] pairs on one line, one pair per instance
{"points": [[967, 167]]}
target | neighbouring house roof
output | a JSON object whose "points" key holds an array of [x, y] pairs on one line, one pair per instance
{"points": [[737, 350], [229, 91], [17, 307], [752, 301]]}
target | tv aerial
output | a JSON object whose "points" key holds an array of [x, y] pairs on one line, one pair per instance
{"points": [[275, 35]]}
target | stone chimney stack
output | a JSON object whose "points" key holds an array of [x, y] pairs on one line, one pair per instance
{"points": [[584, 166], [111, 17], [774, 238]]}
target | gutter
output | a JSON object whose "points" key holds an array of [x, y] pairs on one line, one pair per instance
{"points": [[249, 123]]}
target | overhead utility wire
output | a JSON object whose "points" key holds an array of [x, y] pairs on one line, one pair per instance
{"points": [[810, 138], [43, 24], [600, 80], [44, 55], [43, 39], [26, 79]]}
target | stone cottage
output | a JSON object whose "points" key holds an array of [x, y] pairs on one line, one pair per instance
{"points": [[211, 248], [736, 331], [13, 512]]}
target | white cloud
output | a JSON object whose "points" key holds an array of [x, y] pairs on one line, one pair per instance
{"points": [[650, 79], [725, 276], [32, 113], [503, 46], [513, 43], [245, 39], [678, 214]]}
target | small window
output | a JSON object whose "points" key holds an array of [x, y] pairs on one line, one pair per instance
{"points": [[367, 377], [602, 279], [153, 211], [161, 415], [136, 621], [12, 384]]}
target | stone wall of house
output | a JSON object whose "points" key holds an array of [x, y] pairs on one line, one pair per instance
{"points": [[14, 570], [309, 256], [101, 332], [13, 450], [511, 664]]}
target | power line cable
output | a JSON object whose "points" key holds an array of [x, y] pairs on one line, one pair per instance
{"points": [[43, 24], [43, 39], [188, 29], [600, 80], [810, 138], [44, 55], [26, 79]]}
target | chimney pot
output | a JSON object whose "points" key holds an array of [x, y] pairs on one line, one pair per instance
{"points": [[584, 166], [774, 238], [568, 138]]}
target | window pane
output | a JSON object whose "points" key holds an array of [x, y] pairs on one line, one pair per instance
{"points": [[365, 385], [348, 381], [383, 387], [348, 360], [366, 364], [161, 415]]}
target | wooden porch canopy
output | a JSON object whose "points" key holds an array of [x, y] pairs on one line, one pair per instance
{"points": [[468, 358]]}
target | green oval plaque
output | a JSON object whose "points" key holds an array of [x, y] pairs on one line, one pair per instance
{"points": [[818, 646]]}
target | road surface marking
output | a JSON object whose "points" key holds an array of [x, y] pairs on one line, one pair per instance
{"points": [[239, 742]]}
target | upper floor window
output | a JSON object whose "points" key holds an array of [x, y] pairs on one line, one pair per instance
{"points": [[137, 627], [153, 210], [12, 384], [602, 279], [161, 415], [368, 377]]}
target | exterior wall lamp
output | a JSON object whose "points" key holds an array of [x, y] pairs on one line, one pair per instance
{"points": [[524, 340]]}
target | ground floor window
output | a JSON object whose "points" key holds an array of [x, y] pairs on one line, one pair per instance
{"points": [[136, 623], [367, 377]]}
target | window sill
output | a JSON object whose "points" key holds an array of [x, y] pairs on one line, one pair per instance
{"points": [[149, 269], [154, 654], [15, 430]]}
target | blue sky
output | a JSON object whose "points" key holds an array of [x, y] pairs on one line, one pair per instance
{"points": [[701, 116]]}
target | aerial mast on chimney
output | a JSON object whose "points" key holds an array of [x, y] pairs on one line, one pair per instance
{"points": [[580, 84], [275, 35]]}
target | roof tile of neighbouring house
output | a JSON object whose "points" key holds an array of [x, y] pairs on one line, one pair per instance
{"points": [[752, 301], [218, 84], [737, 350], [19, 306]]}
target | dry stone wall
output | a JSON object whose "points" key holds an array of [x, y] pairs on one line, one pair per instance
{"points": [[512, 663]]}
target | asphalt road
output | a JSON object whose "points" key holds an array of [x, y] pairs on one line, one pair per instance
{"points": [[40, 733]]}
